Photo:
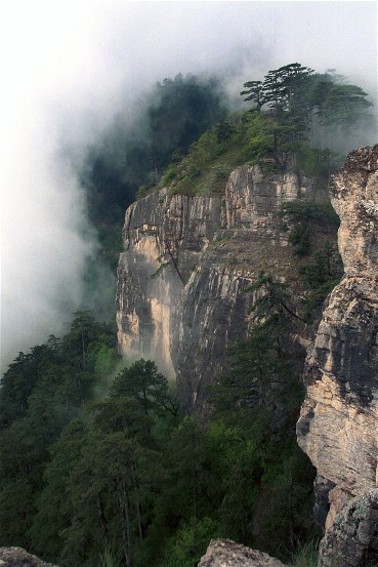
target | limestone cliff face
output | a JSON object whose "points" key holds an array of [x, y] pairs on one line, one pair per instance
{"points": [[338, 426], [186, 267]]}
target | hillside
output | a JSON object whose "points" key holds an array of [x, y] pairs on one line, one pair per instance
{"points": [[139, 453]]}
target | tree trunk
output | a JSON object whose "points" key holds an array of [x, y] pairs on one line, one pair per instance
{"points": [[137, 501], [125, 521]]}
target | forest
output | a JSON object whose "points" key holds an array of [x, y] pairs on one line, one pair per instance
{"points": [[101, 464]]}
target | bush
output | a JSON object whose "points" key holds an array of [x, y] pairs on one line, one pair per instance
{"points": [[302, 210], [190, 542], [306, 555], [300, 240]]}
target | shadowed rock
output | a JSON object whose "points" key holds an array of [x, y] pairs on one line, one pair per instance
{"points": [[338, 425], [352, 541], [187, 264]]}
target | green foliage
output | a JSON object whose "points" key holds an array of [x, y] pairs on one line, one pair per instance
{"points": [[321, 268], [54, 512], [41, 392], [188, 545], [300, 239], [143, 383], [172, 116], [320, 276], [181, 110], [260, 399], [306, 555], [110, 558], [303, 210], [286, 522], [255, 93], [100, 465], [290, 107], [129, 480], [143, 191], [129, 160], [316, 115], [248, 138], [303, 214]]}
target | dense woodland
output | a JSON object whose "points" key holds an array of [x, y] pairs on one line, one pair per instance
{"points": [[100, 462]]}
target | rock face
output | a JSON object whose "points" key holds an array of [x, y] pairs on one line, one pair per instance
{"points": [[338, 426], [227, 553], [18, 557], [188, 262], [352, 541]]}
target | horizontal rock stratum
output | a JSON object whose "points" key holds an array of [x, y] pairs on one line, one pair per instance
{"points": [[187, 264]]}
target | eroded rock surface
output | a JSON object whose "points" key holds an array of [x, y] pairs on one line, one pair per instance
{"points": [[18, 557], [352, 541], [227, 553], [338, 426], [187, 265]]}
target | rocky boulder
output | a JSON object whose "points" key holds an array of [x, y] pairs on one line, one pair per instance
{"points": [[352, 541], [227, 553], [18, 557]]}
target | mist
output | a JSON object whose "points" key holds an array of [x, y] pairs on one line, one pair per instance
{"points": [[69, 69]]}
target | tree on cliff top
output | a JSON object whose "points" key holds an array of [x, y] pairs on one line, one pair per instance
{"points": [[303, 101]]}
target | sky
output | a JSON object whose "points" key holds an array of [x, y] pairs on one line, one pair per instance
{"points": [[67, 68]]}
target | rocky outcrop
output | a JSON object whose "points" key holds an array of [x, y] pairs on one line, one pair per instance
{"points": [[352, 541], [227, 553], [338, 426], [18, 557], [187, 265]]}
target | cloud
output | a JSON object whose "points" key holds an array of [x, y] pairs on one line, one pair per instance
{"points": [[68, 68]]}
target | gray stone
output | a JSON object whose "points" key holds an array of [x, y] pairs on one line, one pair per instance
{"points": [[18, 557], [338, 425], [227, 553], [352, 540], [187, 265]]}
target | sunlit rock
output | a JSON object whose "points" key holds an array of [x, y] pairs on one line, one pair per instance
{"points": [[187, 265], [338, 426], [18, 557], [227, 553]]}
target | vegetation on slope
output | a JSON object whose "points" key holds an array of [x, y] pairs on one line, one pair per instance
{"points": [[297, 122], [128, 475], [135, 152], [100, 465]]}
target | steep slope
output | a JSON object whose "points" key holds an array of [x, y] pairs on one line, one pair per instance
{"points": [[183, 278], [338, 426]]}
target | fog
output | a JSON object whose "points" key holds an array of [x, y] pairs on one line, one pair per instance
{"points": [[69, 68]]}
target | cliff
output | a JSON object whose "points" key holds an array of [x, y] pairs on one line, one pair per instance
{"points": [[187, 265], [338, 426]]}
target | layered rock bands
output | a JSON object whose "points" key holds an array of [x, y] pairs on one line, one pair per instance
{"points": [[187, 264]]}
